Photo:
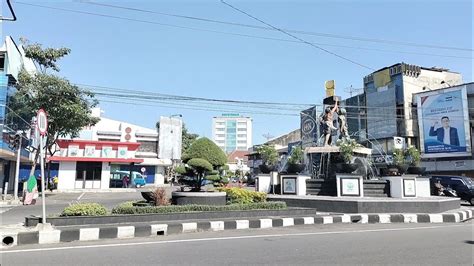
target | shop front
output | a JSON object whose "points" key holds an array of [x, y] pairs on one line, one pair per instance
{"points": [[87, 164]]}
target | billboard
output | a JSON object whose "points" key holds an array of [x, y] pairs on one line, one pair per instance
{"points": [[309, 127], [170, 138], [443, 121]]}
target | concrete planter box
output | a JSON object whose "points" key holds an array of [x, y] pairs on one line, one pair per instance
{"points": [[158, 217], [199, 198]]}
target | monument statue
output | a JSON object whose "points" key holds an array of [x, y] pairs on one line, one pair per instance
{"points": [[341, 118], [328, 126]]}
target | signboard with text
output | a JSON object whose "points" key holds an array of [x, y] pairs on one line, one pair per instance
{"points": [[443, 121]]}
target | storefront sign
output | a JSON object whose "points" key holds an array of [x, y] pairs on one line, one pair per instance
{"points": [[89, 151], [107, 152], [73, 151], [122, 152]]}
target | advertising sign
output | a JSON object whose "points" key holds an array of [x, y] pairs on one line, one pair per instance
{"points": [[398, 143], [89, 151], [309, 127], [170, 138], [443, 121]]}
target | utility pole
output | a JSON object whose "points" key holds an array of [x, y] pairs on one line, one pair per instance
{"points": [[17, 170]]}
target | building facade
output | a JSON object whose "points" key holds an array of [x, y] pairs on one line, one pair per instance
{"points": [[12, 60], [232, 132], [389, 107], [87, 162]]}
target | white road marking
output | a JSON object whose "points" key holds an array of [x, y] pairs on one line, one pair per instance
{"points": [[82, 195], [229, 238], [5, 209]]}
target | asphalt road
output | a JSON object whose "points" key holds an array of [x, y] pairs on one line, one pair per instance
{"points": [[357, 244], [55, 203]]}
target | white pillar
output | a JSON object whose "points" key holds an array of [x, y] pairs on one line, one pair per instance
{"points": [[159, 175], [105, 176]]}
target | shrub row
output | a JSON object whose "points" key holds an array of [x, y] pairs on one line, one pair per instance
{"points": [[84, 209], [237, 195], [128, 208]]}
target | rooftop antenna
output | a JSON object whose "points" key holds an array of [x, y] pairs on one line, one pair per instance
{"points": [[268, 136], [352, 90]]}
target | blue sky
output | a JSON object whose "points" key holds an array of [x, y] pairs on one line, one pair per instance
{"points": [[155, 58]]}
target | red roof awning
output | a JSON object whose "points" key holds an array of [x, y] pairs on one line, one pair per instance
{"points": [[87, 159]]}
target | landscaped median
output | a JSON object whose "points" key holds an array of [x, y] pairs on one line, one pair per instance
{"points": [[143, 229]]}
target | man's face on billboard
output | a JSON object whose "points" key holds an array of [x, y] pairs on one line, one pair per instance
{"points": [[445, 122]]}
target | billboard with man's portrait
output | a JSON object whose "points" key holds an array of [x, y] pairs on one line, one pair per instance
{"points": [[443, 121]]}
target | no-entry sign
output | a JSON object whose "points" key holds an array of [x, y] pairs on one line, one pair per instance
{"points": [[42, 122]]}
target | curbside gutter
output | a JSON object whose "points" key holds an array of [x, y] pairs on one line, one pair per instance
{"points": [[121, 232]]}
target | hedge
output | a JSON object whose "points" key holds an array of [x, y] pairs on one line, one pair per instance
{"points": [[126, 208], [237, 195], [84, 209]]}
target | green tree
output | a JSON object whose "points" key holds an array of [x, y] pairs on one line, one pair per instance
{"points": [[201, 167], [68, 107], [205, 148], [187, 139]]}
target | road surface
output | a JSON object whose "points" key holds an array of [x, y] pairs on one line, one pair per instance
{"points": [[356, 244]]}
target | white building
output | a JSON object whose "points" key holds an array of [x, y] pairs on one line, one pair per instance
{"points": [[232, 132], [86, 162]]}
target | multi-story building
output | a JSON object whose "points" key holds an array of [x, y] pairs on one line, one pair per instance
{"points": [[12, 60], [89, 161], [389, 106], [232, 132]]}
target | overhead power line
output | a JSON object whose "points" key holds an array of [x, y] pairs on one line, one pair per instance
{"points": [[297, 38], [328, 35], [241, 34]]}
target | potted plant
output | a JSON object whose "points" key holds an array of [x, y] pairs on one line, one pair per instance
{"points": [[413, 157], [346, 151], [269, 158], [399, 166], [296, 160]]}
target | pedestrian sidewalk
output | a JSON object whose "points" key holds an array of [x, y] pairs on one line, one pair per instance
{"points": [[23, 236]]}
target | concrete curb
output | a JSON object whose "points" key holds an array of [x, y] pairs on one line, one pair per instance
{"points": [[122, 232]]}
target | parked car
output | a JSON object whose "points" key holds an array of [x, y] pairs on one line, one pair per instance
{"points": [[116, 179], [463, 185]]}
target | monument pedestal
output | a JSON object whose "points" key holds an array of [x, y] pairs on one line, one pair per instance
{"points": [[405, 186]]}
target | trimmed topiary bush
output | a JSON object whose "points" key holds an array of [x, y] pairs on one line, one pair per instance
{"points": [[205, 148], [84, 209], [127, 209], [237, 195]]}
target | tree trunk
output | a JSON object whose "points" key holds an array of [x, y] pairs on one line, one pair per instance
{"points": [[198, 185]]}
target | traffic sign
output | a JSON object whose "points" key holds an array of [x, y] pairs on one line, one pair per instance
{"points": [[42, 122]]}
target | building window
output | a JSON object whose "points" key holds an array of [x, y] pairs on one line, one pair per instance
{"points": [[2, 62], [241, 129], [220, 129], [88, 171]]}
